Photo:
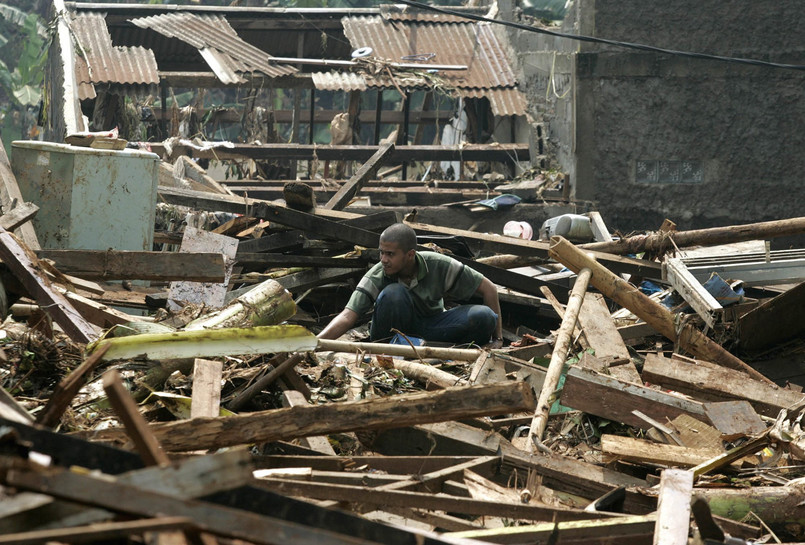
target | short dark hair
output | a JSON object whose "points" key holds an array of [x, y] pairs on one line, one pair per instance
{"points": [[401, 235]]}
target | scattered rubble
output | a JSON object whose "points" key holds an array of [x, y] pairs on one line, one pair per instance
{"points": [[607, 416]]}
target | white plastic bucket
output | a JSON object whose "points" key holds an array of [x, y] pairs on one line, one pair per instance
{"points": [[518, 229]]}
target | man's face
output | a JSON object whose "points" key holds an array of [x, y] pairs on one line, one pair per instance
{"points": [[394, 259]]}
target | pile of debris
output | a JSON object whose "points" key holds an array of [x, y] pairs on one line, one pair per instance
{"points": [[611, 415]]}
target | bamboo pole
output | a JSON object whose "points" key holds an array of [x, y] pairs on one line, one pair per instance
{"points": [[661, 242], [657, 316], [563, 341], [460, 354]]}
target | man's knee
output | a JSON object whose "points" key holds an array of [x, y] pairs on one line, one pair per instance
{"points": [[483, 318], [393, 294]]}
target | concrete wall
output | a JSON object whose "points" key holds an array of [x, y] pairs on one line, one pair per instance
{"points": [[650, 136]]}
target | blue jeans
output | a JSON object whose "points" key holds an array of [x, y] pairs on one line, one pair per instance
{"points": [[394, 308]]}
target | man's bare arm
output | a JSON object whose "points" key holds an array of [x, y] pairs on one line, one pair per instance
{"points": [[340, 324], [489, 292]]}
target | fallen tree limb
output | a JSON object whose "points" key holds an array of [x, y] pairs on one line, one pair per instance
{"points": [[302, 421]]}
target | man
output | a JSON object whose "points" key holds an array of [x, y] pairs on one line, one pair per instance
{"points": [[407, 289]]}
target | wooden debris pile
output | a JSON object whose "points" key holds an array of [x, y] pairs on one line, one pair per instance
{"points": [[608, 417]]}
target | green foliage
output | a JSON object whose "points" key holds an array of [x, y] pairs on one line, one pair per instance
{"points": [[23, 82]]}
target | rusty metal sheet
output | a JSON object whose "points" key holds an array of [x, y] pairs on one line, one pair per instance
{"points": [[98, 61], [226, 53], [470, 44], [503, 101]]}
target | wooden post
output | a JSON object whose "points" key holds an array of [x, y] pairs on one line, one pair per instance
{"points": [[673, 508], [561, 347], [378, 114], [351, 187], [653, 313]]}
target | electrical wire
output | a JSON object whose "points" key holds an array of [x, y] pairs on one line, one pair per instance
{"points": [[591, 39]]}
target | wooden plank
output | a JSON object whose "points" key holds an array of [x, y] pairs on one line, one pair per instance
{"points": [[673, 507], [25, 266], [11, 197], [718, 384], [134, 265], [99, 531], [97, 313], [265, 426], [646, 452], [136, 426], [319, 443], [734, 418], [613, 399], [360, 178], [206, 395], [599, 329]]}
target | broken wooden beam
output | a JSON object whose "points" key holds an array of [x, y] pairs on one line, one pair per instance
{"points": [[660, 243], [136, 265], [660, 318], [359, 179], [25, 266], [99, 531], [558, 356], [609, 398], [294, 422], [773, 322], [710, 383]]}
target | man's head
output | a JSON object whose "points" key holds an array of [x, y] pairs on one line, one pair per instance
{"points": [[398, 250]]}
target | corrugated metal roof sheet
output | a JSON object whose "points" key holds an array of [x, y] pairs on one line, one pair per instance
{"points": [[129, 70], [503, 101], [339, 81], [225, 52], [433, 18], [470, 44]]}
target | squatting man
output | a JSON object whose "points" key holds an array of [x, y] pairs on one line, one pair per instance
{"points": [[407, 289]]}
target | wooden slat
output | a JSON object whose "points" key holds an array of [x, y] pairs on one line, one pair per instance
{"points": [[134, 265], [360, 178]]}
